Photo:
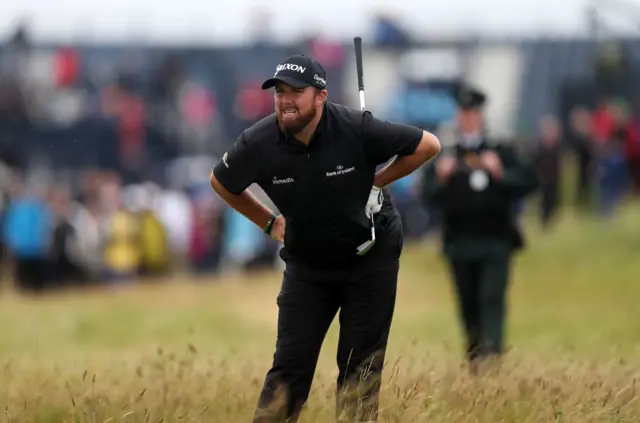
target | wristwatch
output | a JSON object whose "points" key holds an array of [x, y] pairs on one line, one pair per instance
{"points": [[269, 226]]}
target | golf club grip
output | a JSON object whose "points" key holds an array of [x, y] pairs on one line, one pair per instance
{"points": [[357, 42]]}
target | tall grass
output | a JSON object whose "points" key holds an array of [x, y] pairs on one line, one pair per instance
{"points": [[183, 351]]}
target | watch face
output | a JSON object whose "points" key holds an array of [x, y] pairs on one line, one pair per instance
{"points": [[478, 180]]}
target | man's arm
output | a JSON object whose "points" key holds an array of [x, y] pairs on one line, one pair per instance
{"points": [[403, 165], [244, 203], [384, 140], [230, 178]]}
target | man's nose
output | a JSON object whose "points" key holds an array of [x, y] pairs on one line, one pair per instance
{"points": [[288, 97]]}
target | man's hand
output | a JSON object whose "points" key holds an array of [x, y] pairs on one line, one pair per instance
{"points": [[277, 231], [374, 203], [445, 167], [491, 162]]}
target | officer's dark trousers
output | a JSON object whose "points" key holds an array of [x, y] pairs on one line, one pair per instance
{"points": [[481, 287], [549, 203], [308, 303]]}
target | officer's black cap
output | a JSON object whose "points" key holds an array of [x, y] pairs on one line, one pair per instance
{"points": [[299, 71], [469, 98]]}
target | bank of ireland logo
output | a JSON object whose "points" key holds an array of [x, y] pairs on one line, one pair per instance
{"points": [[340, 170]]}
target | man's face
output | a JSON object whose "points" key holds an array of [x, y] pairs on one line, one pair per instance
{"points": [[581, 121], [296, 107], [550, 131], [470, 120]]}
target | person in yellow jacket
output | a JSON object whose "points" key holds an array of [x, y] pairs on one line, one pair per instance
{"points": [[122, 247], [119, 231], [154, 248]]}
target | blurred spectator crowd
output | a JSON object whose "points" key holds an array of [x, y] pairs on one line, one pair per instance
{"points": [[106, 232], [105, 155], [604, 147]]}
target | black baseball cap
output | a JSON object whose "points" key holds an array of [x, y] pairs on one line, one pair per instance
{"points": [[299, 71], [469, 98]]}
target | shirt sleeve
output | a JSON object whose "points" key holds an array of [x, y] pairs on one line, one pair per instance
{"points": [[236, 170], [384, 139]]}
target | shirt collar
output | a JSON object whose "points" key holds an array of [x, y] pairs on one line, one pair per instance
{"points": [[471, 139]]}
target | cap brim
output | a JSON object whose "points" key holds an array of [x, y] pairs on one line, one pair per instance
{"points": [[470, 106], [270, 83]]}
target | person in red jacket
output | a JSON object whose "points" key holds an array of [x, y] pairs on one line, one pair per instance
{"points": [[632, 151], [611, 129]]}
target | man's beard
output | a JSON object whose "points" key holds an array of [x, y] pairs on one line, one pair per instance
{"points": [[299, 123]]}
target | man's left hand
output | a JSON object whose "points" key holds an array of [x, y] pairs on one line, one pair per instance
{"points": [[374, 203], [492, 164]]}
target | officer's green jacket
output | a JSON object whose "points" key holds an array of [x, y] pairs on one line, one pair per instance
{"points": [[477, 222]]}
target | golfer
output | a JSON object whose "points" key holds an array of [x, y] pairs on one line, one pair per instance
{"points": [[342, 236]]}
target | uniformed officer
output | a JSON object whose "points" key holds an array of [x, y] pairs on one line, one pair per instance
{"points": [[342, 236], [474, 185]]}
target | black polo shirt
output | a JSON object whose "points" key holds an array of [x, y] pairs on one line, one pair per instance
{"points": [[322, 189]]}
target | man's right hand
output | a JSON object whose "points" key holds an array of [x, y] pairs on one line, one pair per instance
{"points": [[445, 167], [277, 231]]}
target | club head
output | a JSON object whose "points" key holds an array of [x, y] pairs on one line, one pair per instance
{"points": [[367, 245]]}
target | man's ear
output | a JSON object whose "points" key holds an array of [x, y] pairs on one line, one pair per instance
{"points": [[321, 97]]}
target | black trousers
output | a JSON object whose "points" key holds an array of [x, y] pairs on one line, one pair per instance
{"points": [[32, 274], [308, 303], [549, 203], [584, 183], [481, 286]]}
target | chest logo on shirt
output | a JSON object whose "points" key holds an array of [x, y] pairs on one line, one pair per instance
{"points": [[277, 181], [340, 170]]}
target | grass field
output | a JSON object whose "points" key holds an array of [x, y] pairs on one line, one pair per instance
{"points": [[197, 350]]}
